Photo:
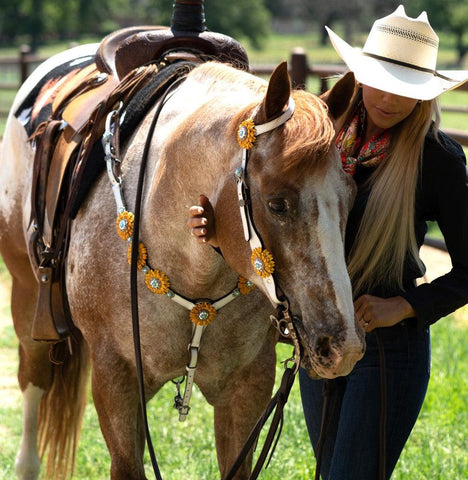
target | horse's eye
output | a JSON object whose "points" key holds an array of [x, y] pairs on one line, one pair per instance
{"points": [[278, 205]]}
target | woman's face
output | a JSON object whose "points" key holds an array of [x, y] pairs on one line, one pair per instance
{"points": [[385, 110]]}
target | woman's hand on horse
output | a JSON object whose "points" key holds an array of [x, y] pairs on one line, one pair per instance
{"points": [[201, 222], [376, 312]]}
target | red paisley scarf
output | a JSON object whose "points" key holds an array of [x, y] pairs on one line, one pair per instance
{"points": [[350, 143]]}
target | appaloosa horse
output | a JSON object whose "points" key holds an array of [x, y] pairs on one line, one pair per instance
{"points": [[299, 198]]}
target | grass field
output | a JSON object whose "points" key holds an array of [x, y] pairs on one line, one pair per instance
{"points": [[437, 450]]}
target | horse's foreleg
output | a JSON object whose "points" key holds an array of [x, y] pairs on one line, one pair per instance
{"points": [[243, 402], [116, 399]]}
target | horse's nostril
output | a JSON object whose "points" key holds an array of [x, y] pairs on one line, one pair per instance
{"points": [[323, 346]]}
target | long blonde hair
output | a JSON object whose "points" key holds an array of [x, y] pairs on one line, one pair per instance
{"points": [[386, 235]]}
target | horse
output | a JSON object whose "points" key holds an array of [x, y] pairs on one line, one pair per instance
{"points": [[299, 199]]}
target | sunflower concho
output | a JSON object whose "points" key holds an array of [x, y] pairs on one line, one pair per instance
{"points": [[247, 134], [262, 262], [202, 314], [245, 286], [124, 224], [157, 281]]}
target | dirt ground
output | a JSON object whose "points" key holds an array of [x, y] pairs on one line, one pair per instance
{"points": [[437, 262]]}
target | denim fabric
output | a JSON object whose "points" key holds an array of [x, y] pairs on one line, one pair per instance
{"points": [[351, 448]]}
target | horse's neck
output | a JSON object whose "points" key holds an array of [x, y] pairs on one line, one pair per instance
{"points": [[191, 154], [194, 270]]}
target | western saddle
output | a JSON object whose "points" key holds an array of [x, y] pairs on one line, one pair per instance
{"points": [[124, 63]]}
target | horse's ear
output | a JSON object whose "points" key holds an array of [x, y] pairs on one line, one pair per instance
{"points": [[277, 96], [339, 96]]}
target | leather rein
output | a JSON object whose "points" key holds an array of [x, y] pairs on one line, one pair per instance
{"points": [[247, 134], [282, 320]]}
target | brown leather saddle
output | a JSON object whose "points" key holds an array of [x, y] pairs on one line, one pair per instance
{"points": [[125, 62]]}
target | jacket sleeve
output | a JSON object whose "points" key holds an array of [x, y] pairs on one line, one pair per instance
{"points": [[449, 192]]}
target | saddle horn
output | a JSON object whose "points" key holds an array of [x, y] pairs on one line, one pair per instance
{"points": [[127, 49], [188, 16]]}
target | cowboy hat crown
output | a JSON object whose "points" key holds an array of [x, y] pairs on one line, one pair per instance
{"points": [[400, 56]]}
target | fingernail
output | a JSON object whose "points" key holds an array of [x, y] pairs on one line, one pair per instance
{"points": [[204, 221], [200, 210], [203, 231]]}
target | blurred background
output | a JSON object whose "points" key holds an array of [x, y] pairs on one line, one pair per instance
{"points": [[42, 22], [270, 30]]}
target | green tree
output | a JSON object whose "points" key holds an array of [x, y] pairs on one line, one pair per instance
{"points": [[240, 19], [351, 15], [36, 22], [459, 15], [71, 19], [450, 16]]}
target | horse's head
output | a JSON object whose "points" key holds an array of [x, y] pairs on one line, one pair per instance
{"points": [[299, 198]]}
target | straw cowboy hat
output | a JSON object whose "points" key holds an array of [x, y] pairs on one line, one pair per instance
{"points": [[400, 57]]}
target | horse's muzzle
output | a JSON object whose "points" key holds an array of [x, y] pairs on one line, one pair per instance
{"points": [[327, 354]]}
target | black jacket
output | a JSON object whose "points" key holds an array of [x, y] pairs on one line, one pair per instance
{"points": [[442, 196]]}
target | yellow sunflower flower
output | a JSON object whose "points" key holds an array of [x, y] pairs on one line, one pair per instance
{"points": [[202, 314], [142, 255], [245, 286], [124, 225], [262, 262], [157, 282], [246, 134]]}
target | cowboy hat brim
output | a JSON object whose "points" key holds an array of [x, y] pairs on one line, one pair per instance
{"points": [[393, 78]]}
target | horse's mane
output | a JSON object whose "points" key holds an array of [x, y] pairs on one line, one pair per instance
{"points": [[218, 75]]}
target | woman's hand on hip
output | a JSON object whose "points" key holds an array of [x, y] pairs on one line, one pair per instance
{"points": [[376, 312]]}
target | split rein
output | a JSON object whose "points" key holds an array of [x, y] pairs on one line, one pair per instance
{"points": [[201, 313]]}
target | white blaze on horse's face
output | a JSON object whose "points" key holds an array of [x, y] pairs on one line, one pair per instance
{"points": [[307, 214]]}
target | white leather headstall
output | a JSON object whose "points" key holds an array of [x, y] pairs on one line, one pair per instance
{"points": [[201, 312], [261, 259]]}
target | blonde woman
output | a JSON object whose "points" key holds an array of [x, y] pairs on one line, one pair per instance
{"points": [[407, 172]]}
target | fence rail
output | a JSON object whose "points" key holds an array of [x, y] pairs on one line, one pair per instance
{"points": [[300, 70], [17, 69]]}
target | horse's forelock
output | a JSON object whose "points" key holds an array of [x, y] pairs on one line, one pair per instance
{"points": [[308, 135]]}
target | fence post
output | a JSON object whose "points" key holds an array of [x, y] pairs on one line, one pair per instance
{"points": [[25, 50], [323, 85], [299, 68]]}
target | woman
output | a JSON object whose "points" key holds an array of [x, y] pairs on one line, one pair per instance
{"points": [[407, 172]]}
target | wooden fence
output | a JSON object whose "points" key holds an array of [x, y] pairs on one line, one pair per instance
{"points": [[300, 70]]}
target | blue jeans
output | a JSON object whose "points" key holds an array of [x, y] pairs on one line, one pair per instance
{"points": [[351, 447]]}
